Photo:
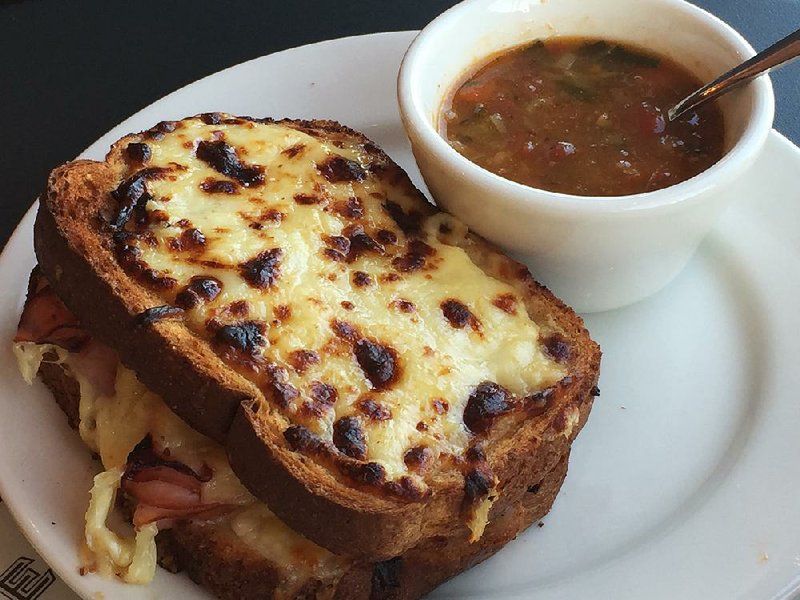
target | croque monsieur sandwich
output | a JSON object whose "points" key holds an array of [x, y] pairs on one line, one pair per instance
{"points": [[302, 380]]}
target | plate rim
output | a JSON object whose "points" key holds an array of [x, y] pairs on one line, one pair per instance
{"points": [[22, 229]]}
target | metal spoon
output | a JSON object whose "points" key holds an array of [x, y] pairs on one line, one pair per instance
{"points": [[780, 53]]}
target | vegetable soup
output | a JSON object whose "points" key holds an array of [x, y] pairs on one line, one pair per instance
{"points": [[583, 116]]}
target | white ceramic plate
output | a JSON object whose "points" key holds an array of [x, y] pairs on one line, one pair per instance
{"points": [[684, 484]]}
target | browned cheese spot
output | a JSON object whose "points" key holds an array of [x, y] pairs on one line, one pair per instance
{"points": [[389, 277], [301, 360], [477, 484], [156, 313], [190, 239], [238, 121], [137, 153], [360, 242], [440, 406], [422, 426], [213, 264], [370, 473], [347, 305], [301, 439], [293, 151], [338, 247], [272, 215], [488, 401], [372, 150], [183, 223], [459, 315], [334, 255], [476, 453], [263, 270], [386, 237], [415, 258], [246, 337], [506, 302], [379, 363], [338, 169], [155, 217], [219, 186], [323, 397], [132, 195], [409, 223], [403, 305], [344, 330], [282, 312], [148, 238], [211, 118], [557, 347], [224, 159], [361, 279], [375, 411], [237, 309], [417, 458], [352, 208], [199, 289], [306, 199], [159, 130], [278, 390], [349, 439]]}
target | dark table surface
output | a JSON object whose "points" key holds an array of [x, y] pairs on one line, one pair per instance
{"points": [[71, 71]]}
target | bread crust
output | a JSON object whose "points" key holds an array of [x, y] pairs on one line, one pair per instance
{"points": [[76, 255], [215, 558]]}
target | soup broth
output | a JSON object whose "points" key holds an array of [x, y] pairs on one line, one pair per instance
{"points": [[583, 116]]}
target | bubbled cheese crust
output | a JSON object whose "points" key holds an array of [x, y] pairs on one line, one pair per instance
{"points": [[322, 212]]}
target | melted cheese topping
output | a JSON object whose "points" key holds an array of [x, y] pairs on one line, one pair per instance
{"points": [[437, 360], [122, 421]]}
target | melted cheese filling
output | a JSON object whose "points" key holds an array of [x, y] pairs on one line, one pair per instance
{"points": [[438, 360], [112, 426]]}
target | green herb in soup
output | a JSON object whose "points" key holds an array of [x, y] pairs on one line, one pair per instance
{"points": [[585, 117]]}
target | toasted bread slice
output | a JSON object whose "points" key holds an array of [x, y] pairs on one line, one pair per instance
{"points": [[219, 559], [378, 374]]}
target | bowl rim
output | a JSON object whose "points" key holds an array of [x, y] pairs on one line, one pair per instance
{"points": [[723, 171]]}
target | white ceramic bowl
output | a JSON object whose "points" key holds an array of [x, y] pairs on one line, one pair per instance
{"points": [[596, 253]]}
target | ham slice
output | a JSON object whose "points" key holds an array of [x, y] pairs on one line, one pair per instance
{"points": [[165, 490], [45, 320], [97, 363]]}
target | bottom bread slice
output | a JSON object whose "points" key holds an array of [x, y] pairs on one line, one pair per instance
{"points": [[216, 557]]}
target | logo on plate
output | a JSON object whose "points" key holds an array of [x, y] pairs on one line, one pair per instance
{"points": [[21, 581]]}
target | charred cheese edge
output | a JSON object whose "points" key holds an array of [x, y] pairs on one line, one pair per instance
{"points": [[312, 257], [111, 426]]}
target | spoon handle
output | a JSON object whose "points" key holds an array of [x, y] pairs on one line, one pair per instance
{"points": [[776, 55]]}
